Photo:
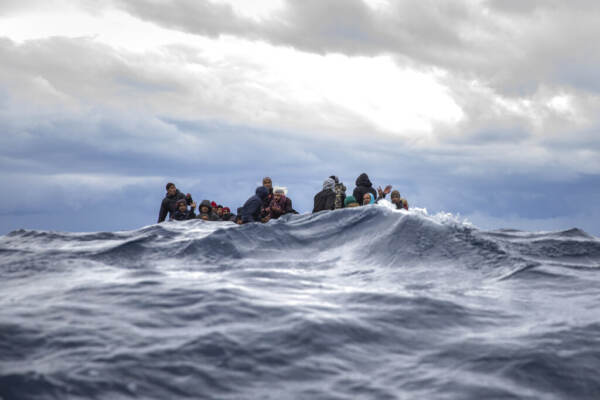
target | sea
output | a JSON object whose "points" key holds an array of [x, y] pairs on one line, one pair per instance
{"points": [[361, 303]]}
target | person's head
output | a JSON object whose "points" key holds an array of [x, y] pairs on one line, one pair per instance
{"points": [[328, 184], [171, 189], [219, 210], [205, 207], [262, 192], [335, 178], [366, 199], [278, 193], [350, 201], [395, 196], [226, 211], [267, 182], [182, 206]]}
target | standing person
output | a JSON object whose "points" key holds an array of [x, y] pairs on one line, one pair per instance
{"points": [[363, 185], [182, 213], [325, 199], [264, 212], [252, 208], [340, 192], [281, 204], [169, 203]]}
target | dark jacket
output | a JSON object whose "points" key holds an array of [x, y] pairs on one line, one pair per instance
{"points": [[168, 205], [363, 185], [210, 215], [228, 217], [252, 208], [179, 216], [324, 200]]}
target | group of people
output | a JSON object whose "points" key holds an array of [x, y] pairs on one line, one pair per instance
{"points": [[271, 203]]}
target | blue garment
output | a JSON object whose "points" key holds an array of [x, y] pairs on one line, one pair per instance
{"points": [[252, 207]]}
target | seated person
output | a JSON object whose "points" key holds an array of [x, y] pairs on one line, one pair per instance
{"points": [[350, 201], [368, 199], [280, 204], [182, 213], [325, 199], [253, 207], [227, 215], [205, 212]]}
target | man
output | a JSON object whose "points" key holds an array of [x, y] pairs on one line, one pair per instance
{"points": [[325, 199], [182, 213], [252, 208], [169, 203], [280, 204], [205, 211], [265, 212], [399, 201], [340, 192]]}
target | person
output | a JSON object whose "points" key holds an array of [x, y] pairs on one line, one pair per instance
{"points": [[227, 215], [182, 213], [325, 199], [340, 192], [169, 203], [399, 201], [281, 204], [220, 211], [205, 211], [253, 207], [350, 201], [363, 185], [264, 212], [238, 217], [368, 199]]}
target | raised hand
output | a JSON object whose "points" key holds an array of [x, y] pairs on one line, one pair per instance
{"points": [[387, 189]]}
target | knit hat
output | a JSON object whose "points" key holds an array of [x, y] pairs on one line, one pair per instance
{"points": [[328, 184], [349, 199], [213, 204], [226, 210], [180, 202]]}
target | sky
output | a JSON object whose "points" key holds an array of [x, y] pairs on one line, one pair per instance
{"points": [[486, 109]]}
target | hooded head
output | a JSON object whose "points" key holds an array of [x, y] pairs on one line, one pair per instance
{"points": [[205, 203], [328, 184], [262, 192], [363, 180], [335, 178]]}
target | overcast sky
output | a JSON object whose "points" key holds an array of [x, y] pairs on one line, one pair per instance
{"points": [[486, 109]]}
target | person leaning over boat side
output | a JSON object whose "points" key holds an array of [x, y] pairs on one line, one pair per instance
{"points": [[281, 204], [169, 203], [252, 208], [363, 185], [205, 211], [182, 213], [325, 199]]}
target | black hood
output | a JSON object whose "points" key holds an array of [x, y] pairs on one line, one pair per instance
{"points": [[363, 180], [262, 192]]}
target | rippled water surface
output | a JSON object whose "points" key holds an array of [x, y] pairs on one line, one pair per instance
{"points": [[366, 303]]}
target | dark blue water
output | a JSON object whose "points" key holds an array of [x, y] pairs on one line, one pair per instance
{"points": [[365, 303]]}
